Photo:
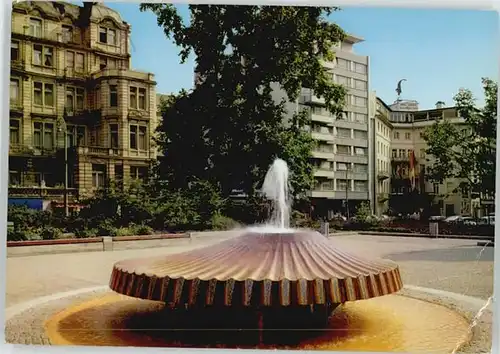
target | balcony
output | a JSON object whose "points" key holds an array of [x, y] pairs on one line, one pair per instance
{"points": [[28, 150], [19, 65], [361, 176], [323, 119], [383, 175], [341, 195], [322, 137], [123, 73], [402, 159], [326, 173], [41, 192], [99, 151], [325, 155], [72, 74], [307, 99]]}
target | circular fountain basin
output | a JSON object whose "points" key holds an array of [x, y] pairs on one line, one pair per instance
{"points": [[389, 323]]}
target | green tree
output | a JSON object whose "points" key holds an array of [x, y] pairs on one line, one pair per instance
{"points": [[229, 128], [466, 152]]}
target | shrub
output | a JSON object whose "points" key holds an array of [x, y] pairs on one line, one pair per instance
{"points": [[123, 231], [86, 233], [106, 228], [142, 230], [16, 235], [223, 223], [50, 233]]}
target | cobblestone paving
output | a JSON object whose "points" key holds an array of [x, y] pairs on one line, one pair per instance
{"points": [[451, 265]]}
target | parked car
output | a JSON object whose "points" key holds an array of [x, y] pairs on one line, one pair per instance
{"points": [[487, 220], [436, 218], [453, 219], [469, 221]]}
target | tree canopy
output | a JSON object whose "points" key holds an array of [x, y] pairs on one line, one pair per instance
{"points": [[230, 127], [467, 151]]}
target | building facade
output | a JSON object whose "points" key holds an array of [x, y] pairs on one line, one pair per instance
{"points": [[75, 100], [343, 169], [403, 126]]}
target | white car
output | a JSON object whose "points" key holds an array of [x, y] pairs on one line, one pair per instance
{"points": [[487, 220], [454, 218]]}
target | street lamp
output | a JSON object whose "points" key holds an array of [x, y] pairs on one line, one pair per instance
{"points": [[63, 129], [347, 186]]}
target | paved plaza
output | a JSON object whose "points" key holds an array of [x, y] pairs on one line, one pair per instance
{"points": [[452, 265]]}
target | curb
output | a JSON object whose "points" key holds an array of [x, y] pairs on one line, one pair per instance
{"points": [[401, 234], [486, 244]]}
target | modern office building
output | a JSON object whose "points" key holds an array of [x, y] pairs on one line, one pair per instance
{"points": [[343, 172], [75, 100], [402, 125]]}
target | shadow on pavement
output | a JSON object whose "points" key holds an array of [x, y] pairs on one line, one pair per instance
{"points": [[456, 254]]}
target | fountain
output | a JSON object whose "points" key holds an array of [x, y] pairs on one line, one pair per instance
{"points": [[249, 291], [287, 277]]}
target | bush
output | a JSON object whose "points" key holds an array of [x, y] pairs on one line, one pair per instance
{"points": [[142, 230], [86, 233], [123, 231], [223, 223], [304, 221], [50, 233], [107, 228], [26, 234]]}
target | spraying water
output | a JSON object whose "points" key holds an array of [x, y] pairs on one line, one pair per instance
{"points": [[276, 189]]}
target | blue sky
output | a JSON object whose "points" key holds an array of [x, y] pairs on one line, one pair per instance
{"points": [[437, 51]]}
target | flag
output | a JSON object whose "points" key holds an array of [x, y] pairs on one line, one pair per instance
{"points": [[411, 171]]}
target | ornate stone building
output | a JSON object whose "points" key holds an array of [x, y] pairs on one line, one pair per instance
{"points": [[71, 79]]}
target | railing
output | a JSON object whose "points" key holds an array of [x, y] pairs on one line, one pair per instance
{"points": [[30, 150], [19, 64], [24, 191], [99, 151]]}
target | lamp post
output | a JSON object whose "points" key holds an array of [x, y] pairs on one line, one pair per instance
{"points": [[63, 128], [347, 190]]}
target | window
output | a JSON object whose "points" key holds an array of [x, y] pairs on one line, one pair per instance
{"points": [[394, 153], [359, 101], [133, 97], [138, 137], [402, 153], [360, 134], [80, 62], [407, 136], [360, 85], [113, 96], [14, 51], [119, 172], [142, 98], [43, 135], [35, 27], [14, 136], [98, 176], [435, 188], [360, 151], [14, 178], [360, 117], [43, 94], [361, 186], [76, 135], [342, 185], [70, 60], [103, 63], [138, 172], [67, 34], [361, 168], [396, 135], [137, 98], [43, 55], [107, 35], [422, 153], [113, 136], [360, 68], [343, 64], [14, 91], [341, 166], [343, 150], [342, 80], [343, 133], [75, 98]]}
